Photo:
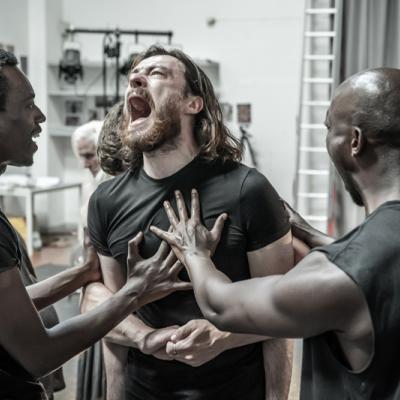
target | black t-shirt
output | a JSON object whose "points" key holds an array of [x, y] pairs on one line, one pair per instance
{"points": [[132, 202], [370, 256], [15, 381]]}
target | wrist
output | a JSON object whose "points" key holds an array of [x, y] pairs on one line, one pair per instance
{"points": [[140, 338], [223, 341], [192, 258]]}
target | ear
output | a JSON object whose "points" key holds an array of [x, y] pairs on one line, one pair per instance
{"points": [[357, 141], [194, 104]]}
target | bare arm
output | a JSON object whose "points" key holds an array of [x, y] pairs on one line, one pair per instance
{"points": [[198, 341], [131, 332], [312, 298], [58, 286], [41, 350], [134, 331], [276, 258]]}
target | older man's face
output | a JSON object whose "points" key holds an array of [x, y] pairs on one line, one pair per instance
{"points": [[87, 154]]}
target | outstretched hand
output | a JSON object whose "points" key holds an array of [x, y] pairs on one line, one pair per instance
{"points": [[188, 235], [303, 231], [155, 277]]}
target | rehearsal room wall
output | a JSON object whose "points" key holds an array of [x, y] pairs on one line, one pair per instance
{"points": [[257, 44]]}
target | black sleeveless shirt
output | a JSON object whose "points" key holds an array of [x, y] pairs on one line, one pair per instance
{"points": [[370, 255], [15, 382]]}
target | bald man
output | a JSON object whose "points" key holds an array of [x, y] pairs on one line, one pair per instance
{"points": [[344, 297]]}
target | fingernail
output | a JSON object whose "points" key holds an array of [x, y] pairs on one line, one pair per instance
{"points": [[173, 337]]}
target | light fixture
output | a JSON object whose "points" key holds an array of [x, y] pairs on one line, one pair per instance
{"points": [[70, 66]]}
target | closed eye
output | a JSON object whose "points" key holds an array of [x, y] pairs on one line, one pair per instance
{"points": [[157, 72]]}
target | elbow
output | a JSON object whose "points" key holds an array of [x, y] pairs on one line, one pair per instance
{"points": [[218, 317], [214, 318], [214, 307]]}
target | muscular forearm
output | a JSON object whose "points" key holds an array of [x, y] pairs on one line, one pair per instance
{"points": [[211, 287], [66, 339], [231, 307], [130, 332], [278, 368], [58, 286]]}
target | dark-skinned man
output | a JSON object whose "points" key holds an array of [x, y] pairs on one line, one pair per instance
{"points": [[28, 350]]}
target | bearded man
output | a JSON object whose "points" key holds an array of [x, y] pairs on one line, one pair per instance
{"points": [[173, 127]]}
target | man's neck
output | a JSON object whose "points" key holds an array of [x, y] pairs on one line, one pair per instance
{"points": [[374, 199], [378, 188], [164, 163]]}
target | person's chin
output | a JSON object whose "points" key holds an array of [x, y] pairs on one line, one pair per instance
{"points": [[22, 163]]}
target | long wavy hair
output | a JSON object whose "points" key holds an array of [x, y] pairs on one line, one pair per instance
{"points": [[212, 136], [113, 156]]}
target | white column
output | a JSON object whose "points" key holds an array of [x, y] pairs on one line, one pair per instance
{"points": [[37, 72]]}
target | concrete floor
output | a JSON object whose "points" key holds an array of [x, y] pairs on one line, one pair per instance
{"points": [[48, 261]]}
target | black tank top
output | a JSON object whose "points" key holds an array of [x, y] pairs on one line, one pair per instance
{"points": [[370, 255]]}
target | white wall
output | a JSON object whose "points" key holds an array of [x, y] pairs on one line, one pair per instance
{"points": [[257, 43], [14, 25]]}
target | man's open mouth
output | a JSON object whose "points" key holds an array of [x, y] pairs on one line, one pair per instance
{"points": [[139, 108], [36, 133]]}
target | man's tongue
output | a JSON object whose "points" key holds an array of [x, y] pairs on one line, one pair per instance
{"points": [[140, 108]]}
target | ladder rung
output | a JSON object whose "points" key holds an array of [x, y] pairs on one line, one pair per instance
{"points": [[321, 11], [320, 34], [312, 126], [318, 80], [313, 195], [313, 149], [319, 57], [316, 218], [314, 103], [314, 172]]}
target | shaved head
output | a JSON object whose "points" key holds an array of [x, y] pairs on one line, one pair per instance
{"points": [[373, 99], [363, 124]]}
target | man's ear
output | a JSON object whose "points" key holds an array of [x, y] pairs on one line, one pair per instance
{"points": [[194, 104], [357, 141]]}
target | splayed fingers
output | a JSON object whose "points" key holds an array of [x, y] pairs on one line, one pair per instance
{"points": [[189, 235]]}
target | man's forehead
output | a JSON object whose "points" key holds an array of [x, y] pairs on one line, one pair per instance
{"points": [[166, 61], [343, 103], [84, 144], [18, 80]]}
